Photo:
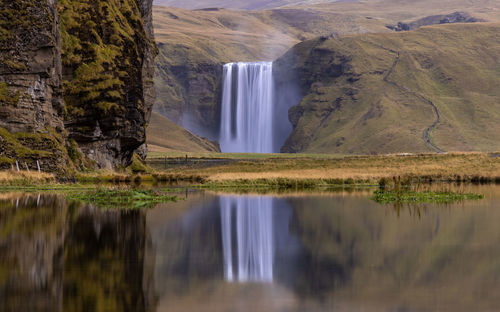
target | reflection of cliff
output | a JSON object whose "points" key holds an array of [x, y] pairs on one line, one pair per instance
{"points": [[103, 262], [56, 256], [31, 253]]}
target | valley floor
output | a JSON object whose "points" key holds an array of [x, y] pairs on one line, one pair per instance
{"points": [[283, 171], [286, 169]]}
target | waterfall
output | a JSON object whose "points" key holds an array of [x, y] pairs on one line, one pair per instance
{"points": [[247, 108], [247, 238]]}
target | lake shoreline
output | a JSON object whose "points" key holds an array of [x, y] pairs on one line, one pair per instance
{"points": [[287, 172]]}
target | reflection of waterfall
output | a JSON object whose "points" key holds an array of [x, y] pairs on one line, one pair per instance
{"points": [[247, 108], [247, 238]]}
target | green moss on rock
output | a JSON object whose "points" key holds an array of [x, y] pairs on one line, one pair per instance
{"points": [[16, 16], [100, 48], [27, 148]]}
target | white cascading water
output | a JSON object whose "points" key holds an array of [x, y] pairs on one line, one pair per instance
{"points": [[247, 108], [247, 238]]}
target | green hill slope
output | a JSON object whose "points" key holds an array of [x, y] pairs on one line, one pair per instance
{"points": [[380, 93]]}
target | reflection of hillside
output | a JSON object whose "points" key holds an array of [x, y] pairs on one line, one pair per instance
{"points": [[104, 261], [361, 252], [187, 249]]}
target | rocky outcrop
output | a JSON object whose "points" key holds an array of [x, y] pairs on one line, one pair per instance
{"points": [[455, 17], [30, 67], [31, 99], [108, 76], [85, 83]]}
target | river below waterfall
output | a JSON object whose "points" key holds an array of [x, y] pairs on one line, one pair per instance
{"points": [[227, 252]]}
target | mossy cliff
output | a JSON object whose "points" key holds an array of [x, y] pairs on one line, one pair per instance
{"points": [[31, 99], [87, 79], [107, 53]]}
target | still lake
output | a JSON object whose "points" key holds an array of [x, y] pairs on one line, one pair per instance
{"points": [[226, 252]]}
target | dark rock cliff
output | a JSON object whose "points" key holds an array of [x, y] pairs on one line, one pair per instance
{"points": [[108, 52], [31, 99], [87, 79]]}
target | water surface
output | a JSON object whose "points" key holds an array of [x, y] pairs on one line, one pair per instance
{"points": [[227, 252]]}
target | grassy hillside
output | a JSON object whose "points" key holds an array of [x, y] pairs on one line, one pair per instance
{"points": [[379, 93], [193, 45], [165, 136], [385, 8]]}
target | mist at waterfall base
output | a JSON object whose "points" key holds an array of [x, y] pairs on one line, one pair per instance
{"points": [[253, 119]]}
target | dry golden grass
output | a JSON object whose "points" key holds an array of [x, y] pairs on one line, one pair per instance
{"points": [[25, 178], [463, 166]]}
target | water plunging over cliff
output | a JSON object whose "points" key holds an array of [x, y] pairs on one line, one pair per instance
{"points": [[247, 238], [247, 108]]}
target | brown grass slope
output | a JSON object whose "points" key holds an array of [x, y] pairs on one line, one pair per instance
{"points": [[372, 93], [194, 45], [164, 135], [401, 9], [238, 4]]}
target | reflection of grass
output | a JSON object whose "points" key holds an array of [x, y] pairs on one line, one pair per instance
{"points": [[281, 185], [414, 197], [124, 198]]}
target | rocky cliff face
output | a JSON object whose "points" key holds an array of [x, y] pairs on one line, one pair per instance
{"points": [[88, 79], [108, 53], [31, 99]]}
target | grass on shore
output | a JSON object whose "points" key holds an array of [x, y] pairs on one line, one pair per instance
{"points": [[299, 172], [364, 170], [12, 177]]}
